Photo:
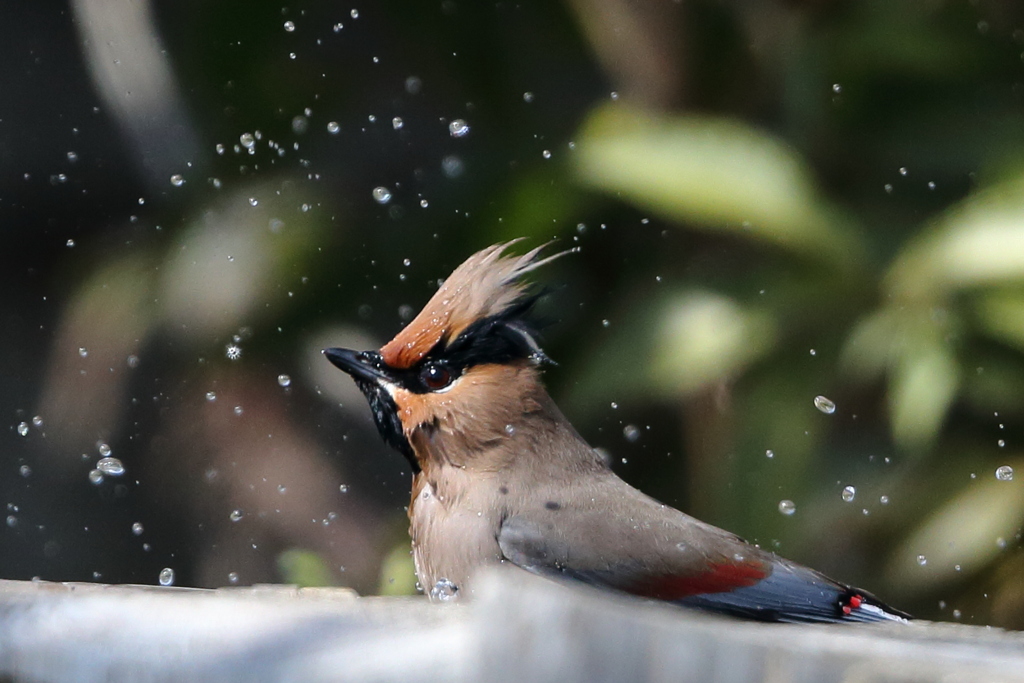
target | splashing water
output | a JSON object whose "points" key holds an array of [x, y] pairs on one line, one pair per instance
{"points": [[824, 404], [166, 576], [444, 591]]}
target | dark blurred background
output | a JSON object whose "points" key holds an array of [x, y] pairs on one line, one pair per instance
{"points": [[796, 311]]}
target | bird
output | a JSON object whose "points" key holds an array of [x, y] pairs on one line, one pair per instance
{"points": [[500, 476]]}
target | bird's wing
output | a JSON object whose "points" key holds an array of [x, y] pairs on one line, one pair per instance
{"points": [[633, 544]]}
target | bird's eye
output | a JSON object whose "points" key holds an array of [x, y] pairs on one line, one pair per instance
{"points": [[435, 376]]}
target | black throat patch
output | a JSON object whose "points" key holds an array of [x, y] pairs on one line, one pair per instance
{"points": [[385, 415]]}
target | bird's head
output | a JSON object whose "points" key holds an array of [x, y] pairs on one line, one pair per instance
{"points": [[463, 373]]}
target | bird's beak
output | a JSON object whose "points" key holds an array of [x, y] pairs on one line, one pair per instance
{"points": [[366, 366]]}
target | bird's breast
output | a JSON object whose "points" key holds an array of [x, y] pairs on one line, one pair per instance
{"points": [[454, 530]]}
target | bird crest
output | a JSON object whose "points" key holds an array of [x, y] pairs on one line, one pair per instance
{"points": [[486, 286]]}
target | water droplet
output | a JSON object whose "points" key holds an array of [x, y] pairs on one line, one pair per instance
{"points": [[769, 454], [956, 614], [1004, 473], [824, 404], [333, 127], [606, 323], [884, 500], [787, 507], [444, 591], [96, 477], [70, 244], [284, 380], [888, 188], [343, 488], [546, 154], [252, 202], [166, 576], [211, 396], [848, 493], [354, 13], [37, 421], [236, 515], [922, 560], [289, 26], [510, 429], [220, 149], [103, 449], [25, 471], [631, 433], [458, 128], [1001, 543], [238, 410], [233, 351], [23, 428], [413, 84], [527, 97], [281, 488], [614, 405], [137, 528], [381, 195], [177, 180], [338, 27], [12, 521], [247, 140], [82, 351], [300, 124], [72, 157], [903, 170], [424, 203], [232, 577], [931, 185], [452, 166], [110, 466], [837, 88]]}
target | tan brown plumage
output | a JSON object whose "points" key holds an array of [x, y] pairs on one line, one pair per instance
{"points": [[500, 476]]}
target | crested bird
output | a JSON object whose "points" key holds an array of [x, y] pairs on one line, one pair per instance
{"points": [[501, 476]]}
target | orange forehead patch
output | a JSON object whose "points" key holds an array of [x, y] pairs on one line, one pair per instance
{"points": [[412, 343], [416, 340]]}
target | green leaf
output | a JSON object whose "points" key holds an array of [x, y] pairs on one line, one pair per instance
{"points": [[398, 572], [980, 242], [921, 390], [964, 532], [1001, 316], [721, 174], [703, 337], [304, 568], [871, 347]]}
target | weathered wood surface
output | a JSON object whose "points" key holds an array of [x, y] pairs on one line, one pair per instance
{"points": [[519, 628]]}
